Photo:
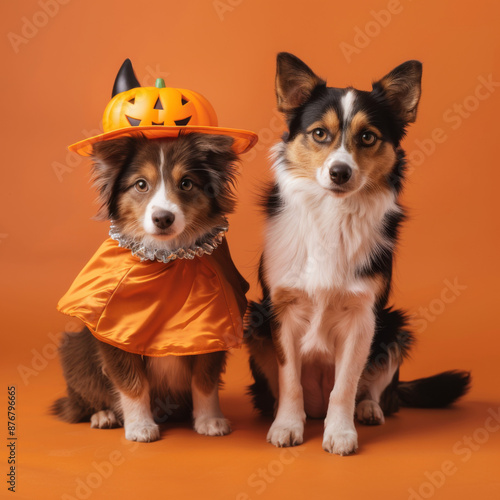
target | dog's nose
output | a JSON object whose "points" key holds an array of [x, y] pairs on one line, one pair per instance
{"points": [[163, 219], [340, 173]]}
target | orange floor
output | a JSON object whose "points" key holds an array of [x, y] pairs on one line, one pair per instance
{"points": [[452, 453], [59, 61]]}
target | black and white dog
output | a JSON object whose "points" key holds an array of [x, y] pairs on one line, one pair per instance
{"points": [[323, 341]]}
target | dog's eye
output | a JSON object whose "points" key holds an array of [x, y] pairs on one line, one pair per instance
{"points": [[320, 135], [142, 186], [186, 184], [368, 138]]}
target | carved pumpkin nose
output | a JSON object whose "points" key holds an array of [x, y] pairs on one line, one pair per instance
{"points": [[136, 106], [163, 219], [159, 111]]}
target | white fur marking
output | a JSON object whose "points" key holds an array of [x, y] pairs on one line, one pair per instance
{"points": [[339, 155], [104, 419], [316, 244], [318, 241], [138, 420], [160, 201], [288, 426], [371, 386], [347, 102], [208, 417]]}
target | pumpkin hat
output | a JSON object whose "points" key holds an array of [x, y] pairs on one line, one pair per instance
{"points": [[157, 112]]}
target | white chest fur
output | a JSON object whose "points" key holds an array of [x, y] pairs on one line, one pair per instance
{"points": [[317, 241]]}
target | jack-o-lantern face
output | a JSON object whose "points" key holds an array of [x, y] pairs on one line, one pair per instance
{"points": [[156, 112], [148, 106]]}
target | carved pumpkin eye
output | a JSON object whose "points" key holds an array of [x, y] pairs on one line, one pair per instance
{"points": [[158, 106], [154, 106], [186, 184], [142, 186], [133, 121]]}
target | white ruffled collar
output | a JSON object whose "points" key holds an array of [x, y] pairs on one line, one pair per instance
{"points": [[203, 246]]}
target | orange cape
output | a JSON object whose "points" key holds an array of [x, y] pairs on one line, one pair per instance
{"points": [[184, 307]]}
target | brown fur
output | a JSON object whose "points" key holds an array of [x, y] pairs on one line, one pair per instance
{"points": [[125, 370], [305, 154], [207, 160], [207, 370], [282, 299], [294, 84], [93, 370], [399, 86], [96, 372]]}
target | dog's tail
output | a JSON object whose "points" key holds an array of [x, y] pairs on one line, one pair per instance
{"points": [[65, 410], [70, 409], [436, 391]]}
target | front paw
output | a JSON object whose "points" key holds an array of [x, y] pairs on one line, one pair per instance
{"points": [[368, 412], [143, 432], [104, 419], [340, 441], [284, 434], [212, 426]]}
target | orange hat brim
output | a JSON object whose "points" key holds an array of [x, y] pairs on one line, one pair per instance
{"points": [[244, 140]]}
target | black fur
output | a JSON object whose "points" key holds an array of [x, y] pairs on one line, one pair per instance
{"points": [[390, 106], [436, 391], [271, 202], [262, 397], [210, 158], [391, 334]]}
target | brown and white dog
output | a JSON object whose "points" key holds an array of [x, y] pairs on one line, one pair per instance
{"points": [[166, 194], [323, 341]]}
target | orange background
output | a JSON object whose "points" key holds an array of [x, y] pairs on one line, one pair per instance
{"points": [[55, 85]]}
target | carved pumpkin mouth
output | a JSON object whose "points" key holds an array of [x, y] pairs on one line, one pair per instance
{"points": [[136, 122], [158, 111], [182, 122]]}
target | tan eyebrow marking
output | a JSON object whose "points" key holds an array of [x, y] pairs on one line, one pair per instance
{"points": [[329, 121], [361, 122], [149, 171]]}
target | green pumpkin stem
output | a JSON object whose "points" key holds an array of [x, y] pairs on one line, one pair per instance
{"points": [[160, 83]]}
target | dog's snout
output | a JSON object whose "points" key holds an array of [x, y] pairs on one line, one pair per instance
{"points": [[340, 173], [163, 219]]}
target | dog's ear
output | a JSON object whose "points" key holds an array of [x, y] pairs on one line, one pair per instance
{"points": [[109, 158], [402, 87], [295, 82], [217, 144], [220, 162]]}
